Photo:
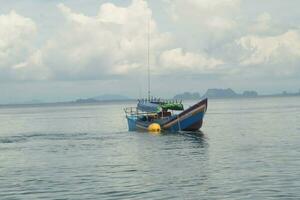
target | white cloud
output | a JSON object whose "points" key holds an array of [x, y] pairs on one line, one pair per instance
{"points": [[16, 36], [177, 59], [210, 14], [271, 55], [32, 68], [270, 49], [114, 42], [220, 23], [266, 25], [263, 23]]}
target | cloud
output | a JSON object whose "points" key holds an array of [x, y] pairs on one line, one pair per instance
{"points": [[31, 69], [218, 15], [205, 25], [266, 25], [272, 56], [272, 49], [17, 33], [112, 43], [263, 23], [177, 59]]}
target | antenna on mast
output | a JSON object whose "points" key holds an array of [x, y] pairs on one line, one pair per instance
{"points": [[148, 59]]}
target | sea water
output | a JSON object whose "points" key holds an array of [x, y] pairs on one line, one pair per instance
{"points": [[247, 149]]}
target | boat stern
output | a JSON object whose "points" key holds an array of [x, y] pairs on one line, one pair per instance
{"points": [[131, 120], [190, 119]]}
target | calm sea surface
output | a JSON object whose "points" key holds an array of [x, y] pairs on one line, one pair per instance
{"points": [[248, 149]]}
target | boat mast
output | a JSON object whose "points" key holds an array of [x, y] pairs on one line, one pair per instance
{"points": [[148, 60]]}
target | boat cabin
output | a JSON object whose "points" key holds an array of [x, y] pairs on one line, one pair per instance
{"points": [[150, 110]]}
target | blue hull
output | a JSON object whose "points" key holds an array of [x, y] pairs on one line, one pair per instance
{"points": [[189, 120], [132, 123], [192, 123]]}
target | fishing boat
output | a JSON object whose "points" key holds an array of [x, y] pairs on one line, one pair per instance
{"points": [[158, 115]]}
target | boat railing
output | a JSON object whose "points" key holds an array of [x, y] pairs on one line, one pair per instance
{"points": [[134, 112]]}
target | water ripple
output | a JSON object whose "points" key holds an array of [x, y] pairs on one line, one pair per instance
{"points": [[84, 152]]}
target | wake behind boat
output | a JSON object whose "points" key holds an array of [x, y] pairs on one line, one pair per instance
{"points": [[161, 114]]}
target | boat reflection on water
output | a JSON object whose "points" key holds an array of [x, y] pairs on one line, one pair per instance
{"points": [[195, 137]]}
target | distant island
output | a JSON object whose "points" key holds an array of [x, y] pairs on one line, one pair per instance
{"points": [[106, 98], [228, 93], [101, 98], [187, 95], [217, 93]]}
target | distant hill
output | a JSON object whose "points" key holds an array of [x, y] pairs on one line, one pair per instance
{"points": [[220, 93], [250, 94], [89, 100], [106, 97], [217, 93], [187, 95], [34, 101]]}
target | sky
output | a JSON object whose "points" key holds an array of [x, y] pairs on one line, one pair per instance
{"points": [[60, 50]]}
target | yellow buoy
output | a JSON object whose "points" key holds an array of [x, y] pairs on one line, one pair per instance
{"points": [[154, 128]]}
